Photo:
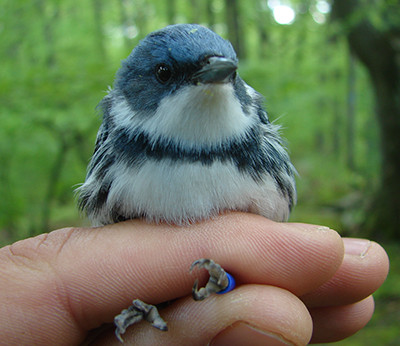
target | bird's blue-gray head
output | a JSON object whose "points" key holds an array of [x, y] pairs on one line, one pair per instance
{"points": [[171, 58]]}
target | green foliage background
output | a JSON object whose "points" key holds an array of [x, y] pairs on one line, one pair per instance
{"points": [[59, 57]]}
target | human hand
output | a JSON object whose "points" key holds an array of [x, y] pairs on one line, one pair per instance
{"points": [[56, 287]]}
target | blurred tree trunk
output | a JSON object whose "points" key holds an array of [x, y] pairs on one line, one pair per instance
{"points": [[53, 180], [171, 11], [351, 111], [124, 23], [262, 23], [377, 49], [337, 118], [210, 14], [141, 20], [98, 22], [235, 34], [196, 11], [48, 26]]}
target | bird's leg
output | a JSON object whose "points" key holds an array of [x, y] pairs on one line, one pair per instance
{"points": [[135, 313], [219, 282]]}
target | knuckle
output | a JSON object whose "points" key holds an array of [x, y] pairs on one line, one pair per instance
{"points": [[38, 253]]}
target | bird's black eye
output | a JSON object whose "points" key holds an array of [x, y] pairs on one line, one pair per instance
{"points": [[163, 73]]}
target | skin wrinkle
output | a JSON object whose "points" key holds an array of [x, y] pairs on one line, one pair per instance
{"points": [[61, 282], [279, 337], [29, 254], [61, 288]]}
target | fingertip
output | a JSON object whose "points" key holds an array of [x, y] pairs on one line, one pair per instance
{"points": [[339, 322]]}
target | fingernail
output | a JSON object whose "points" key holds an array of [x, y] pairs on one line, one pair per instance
{"points": [[240, 333], [356, 246], [312, 228]]}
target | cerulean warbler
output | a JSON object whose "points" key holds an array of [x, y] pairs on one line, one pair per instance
{"points": [[183, 139]]}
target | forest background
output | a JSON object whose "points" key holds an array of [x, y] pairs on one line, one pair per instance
{"points": [[329, 71]]}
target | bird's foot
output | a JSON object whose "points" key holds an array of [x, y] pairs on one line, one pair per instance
{"points": [[135, 313], [219, 282]]}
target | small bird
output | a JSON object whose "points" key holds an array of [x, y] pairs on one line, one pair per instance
{"points": [[183, 139]]}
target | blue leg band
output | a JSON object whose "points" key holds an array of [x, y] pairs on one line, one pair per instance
{"points": [[231, 284]]}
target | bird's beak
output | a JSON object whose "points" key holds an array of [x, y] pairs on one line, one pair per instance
{"points": [[216, 70]]}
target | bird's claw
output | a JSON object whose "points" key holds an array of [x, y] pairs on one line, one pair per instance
{"points": [[135, 313], [218, 279]]}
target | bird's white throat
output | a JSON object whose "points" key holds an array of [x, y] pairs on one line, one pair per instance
{"points": [[194, 116]]}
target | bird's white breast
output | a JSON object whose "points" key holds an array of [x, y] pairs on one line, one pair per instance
{"points": [[184, 192]]}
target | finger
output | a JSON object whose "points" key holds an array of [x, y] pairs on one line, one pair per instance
{"points": [[339, 322], [250, 315], [364, 269]]}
